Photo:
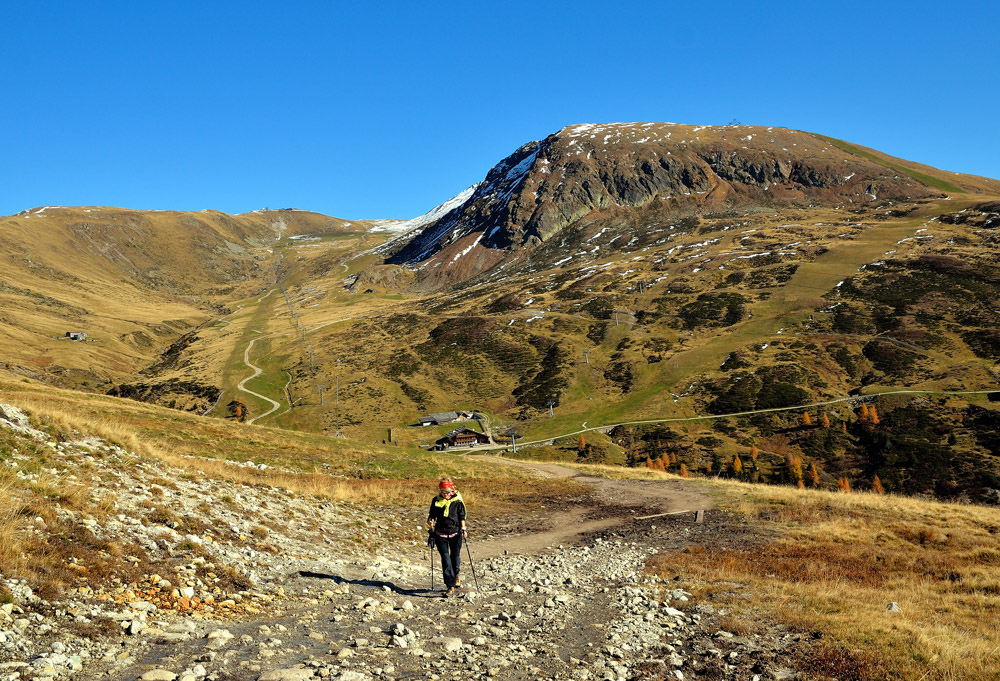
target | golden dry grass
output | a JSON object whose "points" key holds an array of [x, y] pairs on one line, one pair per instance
{"points": [[40, 544], [830, 562], [11, 539], [499, 493], [154, 430]]}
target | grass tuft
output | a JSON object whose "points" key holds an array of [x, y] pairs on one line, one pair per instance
{"points": [[11, 541]]}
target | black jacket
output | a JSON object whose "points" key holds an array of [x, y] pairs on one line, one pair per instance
{"points": [[447, 514]]}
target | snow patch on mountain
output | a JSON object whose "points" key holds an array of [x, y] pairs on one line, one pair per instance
{"points": [[434, 214], [466, 251]]}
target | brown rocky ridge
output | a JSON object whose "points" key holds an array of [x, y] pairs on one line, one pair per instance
{"points": [[638, 173]]}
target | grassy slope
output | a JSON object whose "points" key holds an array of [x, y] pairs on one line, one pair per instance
{"points": [[132, 279], [929, 180], [268, 317], [252, 321], [793, 303], [320, 272]]}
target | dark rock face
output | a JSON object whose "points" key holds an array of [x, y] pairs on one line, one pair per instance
{"points": [[175, 393], [489, 208], [546, 186]]}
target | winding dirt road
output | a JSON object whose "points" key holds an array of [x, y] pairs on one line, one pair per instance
{"points": [[257, 371]]}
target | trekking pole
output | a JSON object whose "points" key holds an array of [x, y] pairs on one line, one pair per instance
{"points": [[430, 546], [469, 553]]}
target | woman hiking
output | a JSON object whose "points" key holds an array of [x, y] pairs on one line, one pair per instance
{"points": [[446, 521]]}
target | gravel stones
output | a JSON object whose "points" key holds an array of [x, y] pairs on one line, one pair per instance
{"points": [[158, 675], [451, 645], [133, 627], [219, 639], [352, 676], [142, 606], [291, 674]]}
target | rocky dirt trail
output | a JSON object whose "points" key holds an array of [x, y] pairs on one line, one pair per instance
{"points": [[612, 502], [259, 583]]}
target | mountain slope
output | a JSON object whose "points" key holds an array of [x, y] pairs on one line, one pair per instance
{"points": [[757, 283], [639, 173], [132, 280]]}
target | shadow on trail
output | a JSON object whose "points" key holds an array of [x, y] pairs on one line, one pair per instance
{"points": [[371, 583]]}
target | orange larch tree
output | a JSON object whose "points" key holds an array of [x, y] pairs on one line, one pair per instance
{"points": [[877, 486], [813, 475], [793, 464]]}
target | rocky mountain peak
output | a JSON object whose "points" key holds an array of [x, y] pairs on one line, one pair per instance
{"points": [[547, 185]]}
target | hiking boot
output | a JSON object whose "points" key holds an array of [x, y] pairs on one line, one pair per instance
{"points": [[447, 592], [458, 581]]}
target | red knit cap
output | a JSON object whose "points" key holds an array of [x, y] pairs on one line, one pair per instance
{"points": [[446, 485]]}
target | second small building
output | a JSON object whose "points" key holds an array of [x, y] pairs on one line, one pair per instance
{"points": [[461, 437]]}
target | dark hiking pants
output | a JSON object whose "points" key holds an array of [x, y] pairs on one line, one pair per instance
{"points": [[450, 549]]}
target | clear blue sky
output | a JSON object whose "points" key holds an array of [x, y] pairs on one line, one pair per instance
{"points": [[366, 110]]}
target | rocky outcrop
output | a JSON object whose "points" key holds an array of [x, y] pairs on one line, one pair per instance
{"points": [[174, 393], [546, 186], [382, 278], [984, 215]]}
